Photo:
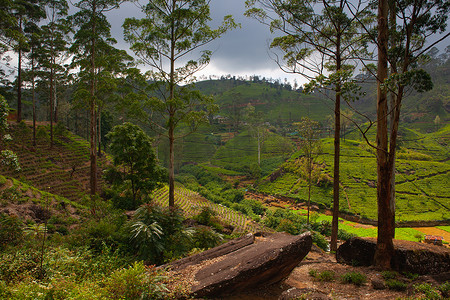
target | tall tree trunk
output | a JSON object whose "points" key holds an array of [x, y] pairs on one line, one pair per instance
{"points": [[19, 79], [99, 126], [385, 248], [171, 114], [51, 104], [34, 101], [309, 188], [93, 153], [337, 150]]}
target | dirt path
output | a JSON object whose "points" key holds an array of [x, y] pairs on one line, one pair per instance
{"points": [[320, 261]]}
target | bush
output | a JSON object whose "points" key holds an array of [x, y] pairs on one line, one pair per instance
{"points": [[131, 283], [389, 275], [320, 241], [205, 238], [345, 235], [355, 278], [325, 276], [11, 231], [445, 289], [428, 290], [397, 285]]}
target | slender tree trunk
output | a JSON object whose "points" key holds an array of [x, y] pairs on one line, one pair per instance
{"points": [[259, 148], [93, 153], [99, 126], [385, 248], [19, 79], [337, 150], [171, 115], [51, 104], [309, 188], [34, 101]]}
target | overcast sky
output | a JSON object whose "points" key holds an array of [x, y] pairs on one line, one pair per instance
{"points": [[240, 52]]}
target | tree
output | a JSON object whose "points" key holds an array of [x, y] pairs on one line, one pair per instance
{"points": [[26, 13], [320, 40], [311, 148], [135, 172], [256, 127], [401, 43], [170, 32], [7, 157], [52, 51], [93, 31], [437, 121]]}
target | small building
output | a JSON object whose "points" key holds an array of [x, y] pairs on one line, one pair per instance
{"points": [[434, 239]]}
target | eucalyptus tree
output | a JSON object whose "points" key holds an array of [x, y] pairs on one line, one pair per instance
{"points": [[26, 13], [256, 127], [319, 40], [404, 29], [167, 39], [53, 52], [311, 147], [93, 32]]}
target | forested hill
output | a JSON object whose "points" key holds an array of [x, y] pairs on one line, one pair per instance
{"points": [[283, 104]]}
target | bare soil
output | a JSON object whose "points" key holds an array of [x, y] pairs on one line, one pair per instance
{"points": [[336, 289]]}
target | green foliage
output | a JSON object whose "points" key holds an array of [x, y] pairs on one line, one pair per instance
{"points": [[445, 289], [158, 233], [389, 275], [324, 276], [135, 173], [205, 238], [430, 292], [355, 278], [11, 231], [320, 241], [396, 285]]}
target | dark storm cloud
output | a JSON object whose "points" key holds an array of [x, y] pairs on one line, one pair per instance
{"points": [[241, 51]]}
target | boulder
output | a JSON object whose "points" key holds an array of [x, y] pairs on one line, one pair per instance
{"points": [[269, 259], [408, 256]]}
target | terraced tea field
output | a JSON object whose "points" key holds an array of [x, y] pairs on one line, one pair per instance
{"points": [[191, 203]]}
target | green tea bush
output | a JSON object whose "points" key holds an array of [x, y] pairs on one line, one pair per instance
{"points": [[345, 235], [355, 278], [325, 276]]}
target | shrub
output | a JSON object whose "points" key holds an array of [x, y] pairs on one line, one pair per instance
{"points": [[355, 278], [389, 275], [428, 290], [397, 285], [445, 289], [11, 231], [345, 235], [205, 238], [320, 240], [132, 283], [325, 276], [205, 216]]}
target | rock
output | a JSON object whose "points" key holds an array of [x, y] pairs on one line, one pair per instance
{"points": [[305, 293], [378, 284], [223, 249], [268, 260], [409, 256], [356, 252]]}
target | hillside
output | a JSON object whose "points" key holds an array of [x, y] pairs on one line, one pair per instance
{"points": [[422, 178]]}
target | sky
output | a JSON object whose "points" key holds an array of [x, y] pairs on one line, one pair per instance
{"points": [[242, 51]]}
